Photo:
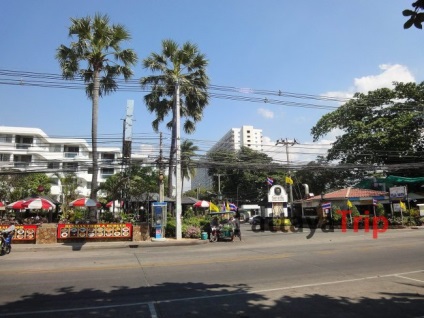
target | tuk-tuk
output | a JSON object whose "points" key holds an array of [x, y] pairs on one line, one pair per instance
{"points": [[222, 226]]}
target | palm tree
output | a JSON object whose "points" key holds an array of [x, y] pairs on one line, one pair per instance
{"points": [[188, 151], [69, 184], [178, 67], [98, 46]]}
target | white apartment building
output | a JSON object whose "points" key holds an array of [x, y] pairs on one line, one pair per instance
{"points": [[233, 140], [246, 136], [30, 149]]}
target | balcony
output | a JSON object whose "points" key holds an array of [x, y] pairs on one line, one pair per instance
{"points": [[23, 146], [70, 155]]}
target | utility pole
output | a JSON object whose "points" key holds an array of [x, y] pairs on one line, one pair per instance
{"points": [[219, 188], [288, 143], [161, 184], [178, 183]]}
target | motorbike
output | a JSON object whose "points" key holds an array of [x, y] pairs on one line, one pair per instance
{"points": [[221, 228], [6, 240]]}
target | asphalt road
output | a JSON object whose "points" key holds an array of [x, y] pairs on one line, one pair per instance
{"points": [[266, 274]]}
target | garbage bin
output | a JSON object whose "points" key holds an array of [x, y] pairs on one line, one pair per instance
{"points": [[204, 235]]}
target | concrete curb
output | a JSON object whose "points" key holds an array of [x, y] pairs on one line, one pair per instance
{"points": [[104, 245]]}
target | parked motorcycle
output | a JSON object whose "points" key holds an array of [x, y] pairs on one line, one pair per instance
{"points": [[6, 240]]}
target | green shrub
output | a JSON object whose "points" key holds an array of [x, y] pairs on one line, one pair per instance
{"points": [[337, 217], [379, 210], [107, 217], [170, 228]]}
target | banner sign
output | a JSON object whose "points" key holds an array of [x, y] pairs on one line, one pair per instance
{"points": [[94, 231], [397, 192], [22, 232]]}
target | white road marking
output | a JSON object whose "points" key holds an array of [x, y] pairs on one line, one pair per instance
{"points": [[153, 310]]}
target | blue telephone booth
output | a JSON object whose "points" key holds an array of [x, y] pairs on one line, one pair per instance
{"points": [[159, 215]]}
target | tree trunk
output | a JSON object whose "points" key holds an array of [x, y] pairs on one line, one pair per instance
{"points": [[94, 120], [173, 149]]}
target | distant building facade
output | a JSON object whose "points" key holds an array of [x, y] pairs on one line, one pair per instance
{"points": [[31, 150], [233, 140]]}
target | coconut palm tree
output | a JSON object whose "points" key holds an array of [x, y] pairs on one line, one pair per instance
{"points": [[188, 151], [178, 67], [98, 47]]}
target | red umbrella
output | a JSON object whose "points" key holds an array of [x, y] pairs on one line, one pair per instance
{"points": [[39, 203], [84, 202], [201, 204], [117, 204], [17, 205]]}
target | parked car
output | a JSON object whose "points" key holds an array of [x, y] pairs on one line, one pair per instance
{"points": [[256, 219]]}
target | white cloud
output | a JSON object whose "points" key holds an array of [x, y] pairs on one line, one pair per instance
{"points": [[390, 73], [266, 113]]}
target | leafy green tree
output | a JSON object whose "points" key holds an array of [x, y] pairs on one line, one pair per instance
{"points": [[383, 127], [416, 16], [188, 151], [114, 187], [321, 176], [22, 186], [243, 174], [183, 67], [98, 46], [69, 183], [142, 181]]}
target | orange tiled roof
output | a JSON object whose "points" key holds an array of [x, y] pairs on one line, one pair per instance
{"points": [[351, 193]]}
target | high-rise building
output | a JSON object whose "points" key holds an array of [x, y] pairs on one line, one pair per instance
{"points": [[233, 140], [246, 136]]}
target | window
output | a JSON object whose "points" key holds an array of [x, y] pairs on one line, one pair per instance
{"points": [[6, 138], [71, 151], [106, 172], [22, 161], [23, 142], [53, 165], [4, 157], [70, 166], [108, 156], [55, 148]]}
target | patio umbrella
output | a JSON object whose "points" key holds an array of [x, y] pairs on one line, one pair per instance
{"points": [[201, 204], [84, 202], [117, 204], [17, 205], [38, 203]]}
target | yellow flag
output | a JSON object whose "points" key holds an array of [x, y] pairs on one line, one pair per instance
{"points": [[227, 207], [349, 204], [402, 205], [213, 207], [289, 180]]}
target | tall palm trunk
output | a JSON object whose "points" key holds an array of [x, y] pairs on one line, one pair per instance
{"points": [[94, 120], [173, 150]]}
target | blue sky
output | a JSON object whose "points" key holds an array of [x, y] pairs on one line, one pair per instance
{"points": [[307, 47]]}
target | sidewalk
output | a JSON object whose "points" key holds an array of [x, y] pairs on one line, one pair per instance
{"points": [[105, 245]]}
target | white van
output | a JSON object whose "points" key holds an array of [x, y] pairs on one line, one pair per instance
{"points": [[251, 209]]}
